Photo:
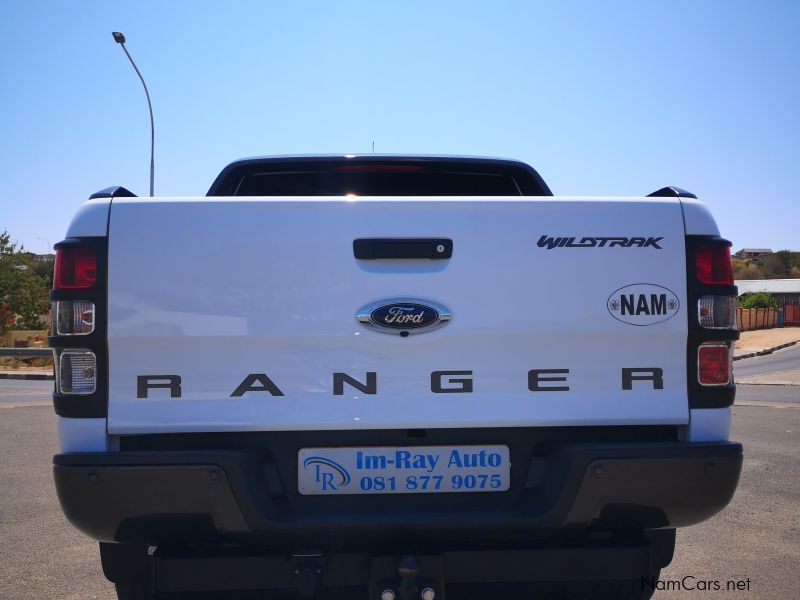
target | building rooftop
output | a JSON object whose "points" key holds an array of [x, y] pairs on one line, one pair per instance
{"points": [[771, 286]]}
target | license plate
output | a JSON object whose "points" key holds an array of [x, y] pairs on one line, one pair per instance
{"points": [[403, 470]]}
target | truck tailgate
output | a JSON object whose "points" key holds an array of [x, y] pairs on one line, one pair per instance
{"points": [[583, 331]]}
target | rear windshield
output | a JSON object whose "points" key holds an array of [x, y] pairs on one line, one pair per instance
{"points": [[371, 179]]}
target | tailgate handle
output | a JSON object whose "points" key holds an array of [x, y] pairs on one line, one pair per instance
{"points": [[399, 248]]}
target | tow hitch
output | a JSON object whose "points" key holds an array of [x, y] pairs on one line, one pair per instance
{"points": [[414, 578], [307, 571]]}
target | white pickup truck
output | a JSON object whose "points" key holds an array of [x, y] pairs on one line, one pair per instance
{"points": [[391, 377]]}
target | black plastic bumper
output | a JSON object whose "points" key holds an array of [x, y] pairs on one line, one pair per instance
{"points": [[241, 495]]}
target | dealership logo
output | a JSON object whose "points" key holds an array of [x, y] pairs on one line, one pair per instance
{"points": [[403, 317], [643, 304], [328, 474]]}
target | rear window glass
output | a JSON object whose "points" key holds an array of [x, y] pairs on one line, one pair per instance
{"points": [[399, 182]]}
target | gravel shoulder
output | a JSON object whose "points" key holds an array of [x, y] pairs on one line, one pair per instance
{"points": [[761, 339]]}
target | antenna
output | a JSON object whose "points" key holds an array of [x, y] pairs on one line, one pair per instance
{"points": [[373, 146], [120, 39]]}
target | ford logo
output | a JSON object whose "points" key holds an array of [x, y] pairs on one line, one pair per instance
{"points": [[404, 316]]}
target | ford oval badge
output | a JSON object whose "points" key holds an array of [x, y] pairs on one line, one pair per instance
{"points": [[404, 316]]}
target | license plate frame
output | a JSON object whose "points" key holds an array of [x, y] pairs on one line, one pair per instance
{"points": [[378, 470]]}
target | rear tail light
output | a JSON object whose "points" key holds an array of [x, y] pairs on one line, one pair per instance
{"points": [[78, 336], [75, 268], [713, 264], [714, 364], [717, 312], [711, 310], [74, 317], [76, 372]]}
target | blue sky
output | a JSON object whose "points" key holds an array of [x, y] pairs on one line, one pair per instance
{"points": [[602, 98]]}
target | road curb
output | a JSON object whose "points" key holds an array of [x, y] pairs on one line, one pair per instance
{"points": [[28, 376], [767, 350], [772, 383], [767, 404]]}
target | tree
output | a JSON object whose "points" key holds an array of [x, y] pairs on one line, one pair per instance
{"points": [[758, 300], [23, 290], [779, 264]]}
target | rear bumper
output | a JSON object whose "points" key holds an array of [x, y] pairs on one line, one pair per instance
{"points": [[244, 495]]}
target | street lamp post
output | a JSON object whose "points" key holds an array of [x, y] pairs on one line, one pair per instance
{"points": [[49, 245], [120, 39]]}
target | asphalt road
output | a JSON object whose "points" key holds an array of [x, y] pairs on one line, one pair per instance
{"points": [[754, 541], [782, 360], [22, 392]]}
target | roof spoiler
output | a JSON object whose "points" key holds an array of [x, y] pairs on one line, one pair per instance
{"points": [[672, 191], [115, 191]]}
